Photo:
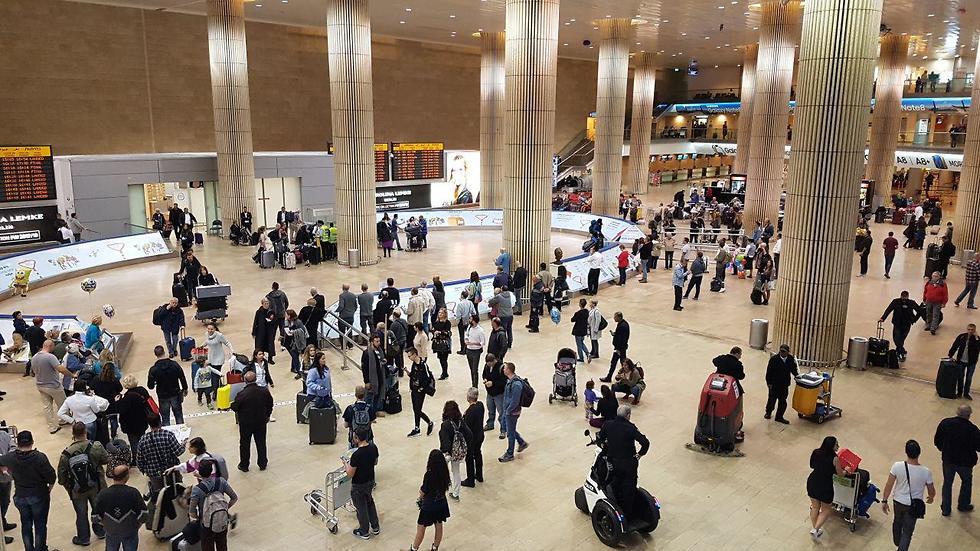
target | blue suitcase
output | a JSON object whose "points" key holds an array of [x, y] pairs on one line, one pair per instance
{"points": [[186, 344]]}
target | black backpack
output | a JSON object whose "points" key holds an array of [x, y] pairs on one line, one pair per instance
{"points": [[158, 314], [83, 474]]}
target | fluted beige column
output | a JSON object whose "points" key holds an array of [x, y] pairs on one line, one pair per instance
{"points": [[352, 116], [833, 101], [232, 114], [614, 64], [886, 121], [779, 31], [745, 110], [967, 219], [531, 70], [644, 83], [492, 120]]}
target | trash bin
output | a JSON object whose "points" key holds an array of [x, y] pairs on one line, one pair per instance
{"points": [[354, 258], [857, 352], [759, 334]]}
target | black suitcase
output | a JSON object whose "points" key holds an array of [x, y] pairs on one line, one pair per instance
{"points": [[393, 401], [878, 348], [313, 255], [892, 359], [301, 400], [323, 425], [198, 239], [947, 376]]}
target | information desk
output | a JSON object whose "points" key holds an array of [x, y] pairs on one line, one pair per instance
{"points": [[26, 174]]}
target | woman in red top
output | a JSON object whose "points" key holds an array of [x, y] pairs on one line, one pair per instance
{"points": [[624, 262]]}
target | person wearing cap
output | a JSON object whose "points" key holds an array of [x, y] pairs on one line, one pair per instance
{"points": [[779, 374], [83, 496], [83, 406], [47, 376], [33, 478]]}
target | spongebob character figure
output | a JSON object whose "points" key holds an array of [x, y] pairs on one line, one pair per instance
{"points": [[22, 281]]}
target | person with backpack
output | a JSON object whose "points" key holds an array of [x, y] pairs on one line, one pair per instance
{"points": [[83, 406], [253, 406], [517, 395], [360, 469], [33, 479], [358, 416], [80, 471], [455, 439], [171, 385], [420, 383], [433, 506], [211, 500], [122, 510]]}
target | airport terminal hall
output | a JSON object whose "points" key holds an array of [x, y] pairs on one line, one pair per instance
{"points": [[489, 275]]}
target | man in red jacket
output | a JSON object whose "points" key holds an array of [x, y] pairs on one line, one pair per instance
{"points": [[935, 295]]}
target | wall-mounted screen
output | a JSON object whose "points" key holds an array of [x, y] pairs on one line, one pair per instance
{"points": [[418, 161], [26, 173]]}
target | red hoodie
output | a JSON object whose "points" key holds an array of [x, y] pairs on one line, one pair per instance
{"points": [[624, 259], [936, 292]]}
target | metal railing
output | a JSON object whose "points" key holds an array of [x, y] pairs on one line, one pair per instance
{"points": [[937, 139], [714, 94], [342, 337], [927, 87]]}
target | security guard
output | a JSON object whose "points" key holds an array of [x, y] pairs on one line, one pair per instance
{"points": [[332, 242], [619, 436]]}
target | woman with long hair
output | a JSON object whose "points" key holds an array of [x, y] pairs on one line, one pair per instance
{"points": [[474, 289], [454, 440], [306, 361], [442, 340], [318, 384], [820, 484], [433, 505], [418, 383], [295, 340], [107, 386]]}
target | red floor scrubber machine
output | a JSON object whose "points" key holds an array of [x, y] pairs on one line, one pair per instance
{"points": [[719, 424]]}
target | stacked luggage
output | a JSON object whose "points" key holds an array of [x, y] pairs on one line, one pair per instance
{"points": [[212, 302]]}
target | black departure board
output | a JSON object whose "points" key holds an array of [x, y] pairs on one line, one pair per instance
{"points": [[382, 172], [26, 173], [418, 161]]}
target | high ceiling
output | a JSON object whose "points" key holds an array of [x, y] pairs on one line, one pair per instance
{"points": [[709, 30]]}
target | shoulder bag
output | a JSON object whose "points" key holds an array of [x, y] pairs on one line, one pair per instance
{"points": [[918, 506]]}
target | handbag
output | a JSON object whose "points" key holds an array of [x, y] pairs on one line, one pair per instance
{"points": [[440, 344], [918, 507]]}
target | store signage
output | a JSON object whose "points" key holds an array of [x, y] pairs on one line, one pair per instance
{"points": [[28, 225], [903, 159], [908, 104], [403, 197]]}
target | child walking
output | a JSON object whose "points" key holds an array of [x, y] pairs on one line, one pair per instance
{"points": [[590, 399]]}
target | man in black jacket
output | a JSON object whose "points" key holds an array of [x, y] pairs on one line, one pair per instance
{"points": [[731, 364], [33, 479], [497, 344], [959, 441], [518, 283], [494, 381], [620, 436], [965, 350], [168, 378], [621, 342], [946, 251], [473, 419], [253, 407], [580, 329], [779, 374], [904, 313]]}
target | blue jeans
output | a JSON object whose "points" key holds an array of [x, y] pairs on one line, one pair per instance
{"points": [[970, 289], [91, 430], [175, 404], [296, 366], [125, 543], [580, 347], [495, 408], [81, 505], [512, 434], [425, 321], [34, 521], [645, 264], [966, 378], [171, 339]]}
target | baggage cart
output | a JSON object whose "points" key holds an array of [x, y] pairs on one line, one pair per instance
{"points": [[846, 496], [334, 495]]}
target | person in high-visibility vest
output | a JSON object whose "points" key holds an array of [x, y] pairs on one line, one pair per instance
{"points": [[332, 242]]}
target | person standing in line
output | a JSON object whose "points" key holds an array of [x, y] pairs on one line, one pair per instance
{"points": [[168, 378], [518, 283], [473, 419], [48, 372], [959, 441], [495, 382], [157, 451], [503, 300], [623, 263], [910, 482], [965, 349], [497, 343], [722, 258], [82, 491], [132, 408], [777, 249], [580, 329], [820, 484], [171, 321], [537, 302], [442, 340], [698, 268], [346, 308], [620, 343], [779, 374], [864, 250], [669, 244], [680, 276], [503, 261], [433, 505], [278, 303], [360, 469], [214, 537], [295, 337], [395, 230], [904, 313], [419, 379], [83, 406], [513, 391], [656, 249], [429, 303], [365, 303], [464, 312], [750, 251], [373, 373], [595, 328], [393, 293], [595, 269], [34, 477], [972, 278], [890, 245], [935, 295], [455, 440], [253, 407], [6, 485], [475, 339], [121, 509], [264, 326]]}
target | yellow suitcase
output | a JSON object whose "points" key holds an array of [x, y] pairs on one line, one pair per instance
{"points": [[224, 397]]}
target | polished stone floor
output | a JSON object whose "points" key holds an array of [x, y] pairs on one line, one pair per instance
{"points": [[757, 502]]}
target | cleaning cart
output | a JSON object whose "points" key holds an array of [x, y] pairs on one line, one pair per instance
{"points": [[812, 396]]}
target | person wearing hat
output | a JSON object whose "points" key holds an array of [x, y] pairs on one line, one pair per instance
{"points": [[779, 375], [33, 478]]}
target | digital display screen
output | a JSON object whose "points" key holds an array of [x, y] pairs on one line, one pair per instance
{"points": [[382, 172], [28, 224], [26, 173], [418, 161]]}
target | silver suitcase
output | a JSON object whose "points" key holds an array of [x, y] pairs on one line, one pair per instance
{"points": [[267, 259]]}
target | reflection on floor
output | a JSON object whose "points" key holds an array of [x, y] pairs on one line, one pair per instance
{"points": [[757, 502]]}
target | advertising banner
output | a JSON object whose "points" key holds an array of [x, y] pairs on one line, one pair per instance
{"points": [[28, 225], [462, 185]]}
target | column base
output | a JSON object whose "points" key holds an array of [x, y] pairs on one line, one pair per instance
{"points": [[364, 261]]}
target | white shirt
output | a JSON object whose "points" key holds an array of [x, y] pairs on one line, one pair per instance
{"points": [[426, 294], [476, 338], [464, 309], [686, 251], [920, 475], [918, 212], [66, 234], [595, 261], [82, 407], [778, 246]]}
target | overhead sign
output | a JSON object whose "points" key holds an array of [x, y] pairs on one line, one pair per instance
{"points": [[28, 225], [382, 173], [908, 104], [903, 159], [26, 173], [418, 161]]}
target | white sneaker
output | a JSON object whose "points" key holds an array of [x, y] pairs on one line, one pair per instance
{"points": [[722, 290], [272, 419]]}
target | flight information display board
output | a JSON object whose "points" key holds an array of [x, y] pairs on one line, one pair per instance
{"points": [[418, 161], [26, 173], [382, 172]]}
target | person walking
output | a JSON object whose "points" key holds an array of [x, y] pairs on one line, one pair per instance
{"points": [[216, 344], [580, 329], [698, 268], [264, 326], [433, 505], [168, 378], [48, 372], [497, 343], [595, 269], [959, 441], [972, 277], [911, 483], [278, 303], [864, 251], [473, 419], [904, 313], [420, 381], [33, 478], [495, 382], [80, 472], [360, 470], [621, 338], [722, 258], [253, 407], [121, 509], [170, 319], [209, 494], [889, 245], [779, 374], [965, 349], [680, 276], [157, 451], [820, 484], [513, 392], [935, 295], [464, 312], [454, 441], [475, 339]]}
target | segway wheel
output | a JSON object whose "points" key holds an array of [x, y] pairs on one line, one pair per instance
{"points": [[333, 529], [605, 522], [820, 419], [654, 518], [580, 500], [551, 398]]}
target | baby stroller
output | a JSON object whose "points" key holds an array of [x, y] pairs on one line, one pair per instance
{"points": [[564, 388]]}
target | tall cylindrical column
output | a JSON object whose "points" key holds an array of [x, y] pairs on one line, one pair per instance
{"points": [[492, 120], [778, 33], [232, 114], [531, 70], [352, 115], [644, 82], [967, 219], [886, 121], [614, 65], [833, 101], [745, 110]]}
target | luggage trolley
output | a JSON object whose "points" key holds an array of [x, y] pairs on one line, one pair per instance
{"points": [[811, 398], [334, 495], [847, 497]]}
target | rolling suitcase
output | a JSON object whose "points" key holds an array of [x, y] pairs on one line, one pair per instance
{"points": [[892, 359], [323, 425], [267, 259], [224, 398], [187, 346], [198, 239], [393, 401], [288, 260], [947, 376], [878, 348], [302, 399], [168, 516]]}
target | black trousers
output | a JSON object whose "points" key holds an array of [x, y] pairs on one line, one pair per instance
{"points": [[246, 433], [418, 398], [461, 327], [444, 362], [695, 284], [864, 263], [777, 399], [619, 356], [474, 461], [624, 484], [678, 293], [593, 287], [668, 259]]}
